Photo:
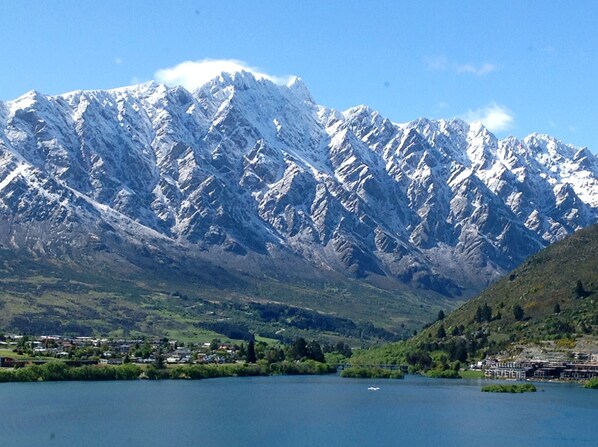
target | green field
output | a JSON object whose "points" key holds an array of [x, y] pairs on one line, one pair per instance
{"points": [[471, 374]]}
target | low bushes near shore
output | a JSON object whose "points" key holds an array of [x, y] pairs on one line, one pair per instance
{"points": [[510, 388], [58, 371], [592, 383], [358, 372]]}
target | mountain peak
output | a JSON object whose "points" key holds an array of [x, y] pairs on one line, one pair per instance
{"points": [[244, 166], [298, 87], [28, 99]]}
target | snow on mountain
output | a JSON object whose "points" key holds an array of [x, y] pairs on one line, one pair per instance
{"points": [[245, 169]]}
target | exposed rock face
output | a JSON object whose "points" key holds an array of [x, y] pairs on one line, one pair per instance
{"points": [[243, 169]]}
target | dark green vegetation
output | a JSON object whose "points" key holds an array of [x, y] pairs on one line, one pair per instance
{"points": [[59, 371], [38, 296], [511, 388], [550, 297], [443, 374], [357, 372], [592, 384]]}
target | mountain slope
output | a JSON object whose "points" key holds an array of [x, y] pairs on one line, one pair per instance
{"points": [[58, 297], [555, 290], [244, 176], [544, 308]]}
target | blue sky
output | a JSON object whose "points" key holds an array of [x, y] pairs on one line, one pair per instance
{"points": [[520, 66]]}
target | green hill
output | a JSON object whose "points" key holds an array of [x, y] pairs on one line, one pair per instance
{"points": [[549, 303], [47, 296]]}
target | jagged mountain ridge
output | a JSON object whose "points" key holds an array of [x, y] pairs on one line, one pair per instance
{"points": [[243, 173]]}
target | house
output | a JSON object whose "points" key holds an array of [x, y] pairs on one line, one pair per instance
{"points": [[548, 372], [580, 371], [509, 371], [111, 361], [7, 362]]}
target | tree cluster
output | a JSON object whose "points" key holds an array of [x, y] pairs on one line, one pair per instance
{"points": [[298, 350], [483, 314]]}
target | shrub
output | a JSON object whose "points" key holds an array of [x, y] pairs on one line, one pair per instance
{"points": [[513, 388], [359, 372], [443, 374]]}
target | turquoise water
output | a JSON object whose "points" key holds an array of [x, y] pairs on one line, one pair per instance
{"points": [[294, 411]]}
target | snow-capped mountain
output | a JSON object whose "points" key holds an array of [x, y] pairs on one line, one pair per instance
{"points": [[245, 173]]}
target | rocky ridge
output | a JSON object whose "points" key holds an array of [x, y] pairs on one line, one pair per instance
{"points": [[246, 175]]}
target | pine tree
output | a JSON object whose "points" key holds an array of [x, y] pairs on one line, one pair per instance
{"points": [[479, 316], [251, 358], [159, 360], [557, 308], [441, 331], [579, 291], [314, 351], [487, 313], [518, 312]]}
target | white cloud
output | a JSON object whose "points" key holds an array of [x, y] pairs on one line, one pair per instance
{"points": [[494, 117], [478, 70], [442, 105], [194, 74], [441, 63]]}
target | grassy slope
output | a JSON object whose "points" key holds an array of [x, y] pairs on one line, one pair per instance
{"points": [[39, 296], [541, 282]]}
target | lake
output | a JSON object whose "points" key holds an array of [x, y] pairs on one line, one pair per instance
{"points": [[294, 411]]}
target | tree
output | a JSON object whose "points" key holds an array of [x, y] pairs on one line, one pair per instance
{"points": [[518, 312], [298, 349], [314, 351], [580, 291], [159, 361], [441, 315], [557, 308], [441, 331], [343, 348], [251, 358], [274, 355], [479, 316], [419, 359], [460, 351], [487, 313]]}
